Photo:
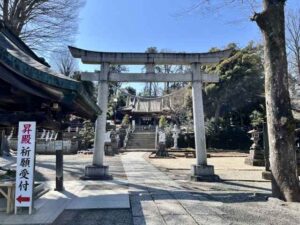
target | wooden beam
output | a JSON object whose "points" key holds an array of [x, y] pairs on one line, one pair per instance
{"points": [[151, 77], [128, 58]]}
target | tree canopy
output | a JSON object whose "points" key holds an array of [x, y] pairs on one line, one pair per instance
{"points": [[241, 86]]}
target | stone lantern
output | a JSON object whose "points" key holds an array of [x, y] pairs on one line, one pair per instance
{"points": [[256, 154], [175, 136], [255, 138]]}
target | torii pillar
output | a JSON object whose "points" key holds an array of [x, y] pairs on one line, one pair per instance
{"points": [[201, 171], [98, 170]]}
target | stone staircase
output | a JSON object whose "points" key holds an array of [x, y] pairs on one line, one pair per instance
{"points": [[141, 141]]}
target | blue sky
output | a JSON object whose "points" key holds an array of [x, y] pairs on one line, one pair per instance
{"points": [[135, 25]]}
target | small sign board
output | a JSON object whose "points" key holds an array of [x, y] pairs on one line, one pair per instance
{"points": [[25, 165], [58, 145]]}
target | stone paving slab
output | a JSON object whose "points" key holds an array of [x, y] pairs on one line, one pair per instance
{"points": [[78, 194], [169, 207], [144, 208], [180, 201], [164, 201], [148, 220], [213, 219], [53, 203], [47, 208], [100, 199], [179, 220], [95, 217], [156, 197]]}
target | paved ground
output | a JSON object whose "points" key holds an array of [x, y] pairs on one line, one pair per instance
{"points": [[73, 166], [95, 217], [99, 197], [230, 167], [160, 193], [156, 198]]}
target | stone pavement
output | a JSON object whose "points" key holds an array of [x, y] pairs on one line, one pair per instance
{"points": [[78, 194], [156, 198], [154, 192], [95, 217]]}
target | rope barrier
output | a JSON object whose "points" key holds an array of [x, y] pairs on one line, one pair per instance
{"points": [[124, 91]]}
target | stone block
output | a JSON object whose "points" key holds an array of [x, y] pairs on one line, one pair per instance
{"points": [[204, 173], [93, 172], [255, 158], [108, 149]]}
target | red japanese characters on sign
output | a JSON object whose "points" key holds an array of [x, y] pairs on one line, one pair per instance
{"points": [[25, 164]]}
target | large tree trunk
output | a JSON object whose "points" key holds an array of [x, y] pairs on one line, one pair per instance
{"points": [[285, 183]]}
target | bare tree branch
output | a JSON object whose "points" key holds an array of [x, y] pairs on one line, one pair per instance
{"points": [[293, 41], [64, 63], [43, 24]]}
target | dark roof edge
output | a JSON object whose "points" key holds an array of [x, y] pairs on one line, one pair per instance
{"points": [[30, 72], [18, 41]]}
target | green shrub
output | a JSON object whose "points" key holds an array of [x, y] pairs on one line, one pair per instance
{"points": [[125, 120], [163, 122]]}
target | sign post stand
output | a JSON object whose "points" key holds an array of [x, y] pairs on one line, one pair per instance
{"points": [[59, 180], [25, 166]]}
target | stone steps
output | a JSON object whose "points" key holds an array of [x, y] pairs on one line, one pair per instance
{"points": [[141, 141]]}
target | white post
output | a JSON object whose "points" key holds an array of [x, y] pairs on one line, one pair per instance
{"points": [[98, 170], [201, 171], [199, 126], [100, 129]]}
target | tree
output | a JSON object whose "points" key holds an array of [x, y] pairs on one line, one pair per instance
{"points": [[240, 89], [281, 125], [293, 41], [113, 88], [65, 63], [181, 106], [43, 24], [87, 134]]}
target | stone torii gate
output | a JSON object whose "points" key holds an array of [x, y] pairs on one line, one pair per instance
{"points": [[200, 171]]}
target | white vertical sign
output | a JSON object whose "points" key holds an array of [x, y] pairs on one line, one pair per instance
{"points": [[25, 165]]}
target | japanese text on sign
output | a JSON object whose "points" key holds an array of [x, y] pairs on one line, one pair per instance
{"points": [[25, 164]]}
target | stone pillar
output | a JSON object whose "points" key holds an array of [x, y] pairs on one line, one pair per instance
{"points": [[98, 170], [114, 142], [201, 171], [175, 136]]}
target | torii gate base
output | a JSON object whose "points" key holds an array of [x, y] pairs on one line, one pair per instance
{"points": [[94, 172], [201, 171]]}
